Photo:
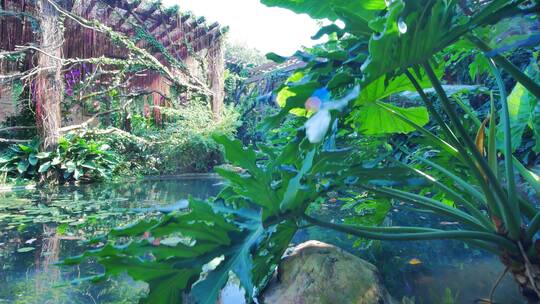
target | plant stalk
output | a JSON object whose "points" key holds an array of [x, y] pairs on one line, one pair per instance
{"points": [[509, 211], [386, 234], [505, 117], [508, 66]]}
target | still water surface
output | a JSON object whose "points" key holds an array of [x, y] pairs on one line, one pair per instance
{"points": [[39, 227]]}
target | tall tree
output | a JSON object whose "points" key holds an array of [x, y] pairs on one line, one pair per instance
{"points": [[216, 69], [49, 82]]}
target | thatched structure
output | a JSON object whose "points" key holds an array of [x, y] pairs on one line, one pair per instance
{"points": [[174, 49]]}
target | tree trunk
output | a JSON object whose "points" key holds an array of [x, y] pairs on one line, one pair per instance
{"points": [[49, 81], [216, 69]]}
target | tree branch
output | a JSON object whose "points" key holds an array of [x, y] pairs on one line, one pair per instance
{"points": [[94, 117], [14, 141], [8, 129]]}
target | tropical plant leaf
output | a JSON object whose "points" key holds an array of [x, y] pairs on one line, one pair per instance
{"points": [[44, 167], [524, 110], [374, 119], [321, 9], [23, 166], [290, 200], [196, 246], [413, 31]]}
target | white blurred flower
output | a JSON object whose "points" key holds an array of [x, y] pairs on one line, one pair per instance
{"points": [[317, 126]]}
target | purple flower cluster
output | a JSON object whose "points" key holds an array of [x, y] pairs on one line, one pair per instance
{"points": [[73, 77]]}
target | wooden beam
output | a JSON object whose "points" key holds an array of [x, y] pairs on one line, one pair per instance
{"points": [[195, 34], [211, 33], [177, 23], [165, 21], [189, 29], [147, 14], [128, 8], [123, 18], [108, 13], [89, 8], [200, 43]]}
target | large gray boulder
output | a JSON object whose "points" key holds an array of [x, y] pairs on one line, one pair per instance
{"points": [[319, 273]]}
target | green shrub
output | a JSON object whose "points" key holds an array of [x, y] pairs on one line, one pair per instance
{"points": [[75, 159], [22, 161], [183, 145], [187, 143], [197, 154]]}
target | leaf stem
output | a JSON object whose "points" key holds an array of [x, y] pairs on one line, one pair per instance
{"points": [[414, 233], [511, 218], [505, 118], [446, 129], [430, 204], [471, 208], [534, 226], [508, 66]]}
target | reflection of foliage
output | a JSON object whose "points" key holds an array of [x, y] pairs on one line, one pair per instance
{"points": [[94, 208], [77, 213], [39, 288]]}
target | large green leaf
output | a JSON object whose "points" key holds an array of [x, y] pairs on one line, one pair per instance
{"points": [[412, 31], [321, 9], [374, 119], [524, 110], [290, 199], [255, 184], [386, 86], [293, 97], [183, 244], [371, 118], [23, 166]]}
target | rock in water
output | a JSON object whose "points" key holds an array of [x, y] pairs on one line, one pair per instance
{"points": [[319, 273]]}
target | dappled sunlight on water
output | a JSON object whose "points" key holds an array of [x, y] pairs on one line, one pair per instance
{"points": [[40, 227], [37, 228]]}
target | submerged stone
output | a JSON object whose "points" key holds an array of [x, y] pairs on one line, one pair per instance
{"points": [[319, 273]]}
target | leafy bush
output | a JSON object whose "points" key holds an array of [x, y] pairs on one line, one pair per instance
{"points": [[183, 145], [22, 161], [75, 159], [198, 154], [187, 145]]}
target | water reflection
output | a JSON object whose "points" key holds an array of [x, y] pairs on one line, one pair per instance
{"points": [[39, 227]]}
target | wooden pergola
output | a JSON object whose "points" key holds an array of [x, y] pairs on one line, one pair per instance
{"points": [[188, 48], [170, 27]]}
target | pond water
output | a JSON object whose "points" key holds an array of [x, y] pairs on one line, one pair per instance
{"points": [[39, 227]]}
